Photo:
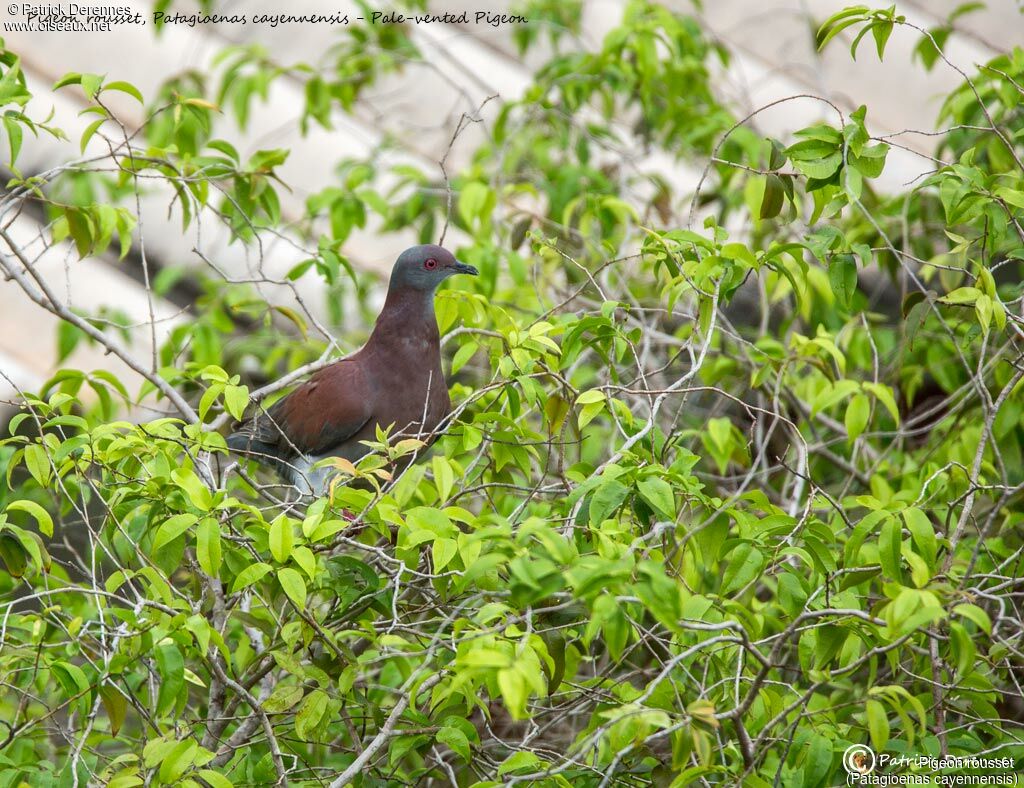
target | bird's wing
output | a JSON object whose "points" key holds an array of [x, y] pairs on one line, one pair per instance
{"points": [[322, 413]]}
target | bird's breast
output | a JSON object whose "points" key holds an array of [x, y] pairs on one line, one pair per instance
{"points": [[413, 392]]}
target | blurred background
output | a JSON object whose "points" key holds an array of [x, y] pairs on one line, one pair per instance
{"points": [[432, 114]]}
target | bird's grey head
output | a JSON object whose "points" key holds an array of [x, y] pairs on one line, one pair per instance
{"points": [[425, 267]]}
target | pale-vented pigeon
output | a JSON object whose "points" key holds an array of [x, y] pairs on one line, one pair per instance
{"points": [[395, 379]]}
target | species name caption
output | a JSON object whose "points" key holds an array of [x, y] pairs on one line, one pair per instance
{"points": [[126, 14], [489, 18]]}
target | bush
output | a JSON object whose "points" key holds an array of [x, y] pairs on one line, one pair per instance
{"points": [[734, 481]]}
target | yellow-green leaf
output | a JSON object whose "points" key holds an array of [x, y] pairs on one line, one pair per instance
{"points": [[294, 586], [878, 724], [42, 517], [236, 399], [975, 614], [38, 463], [282, 538], [442, 552], [858, 411], [884, 395], [962, 295], [171, 529], [208, 546], [250, 575], [922, 533]]}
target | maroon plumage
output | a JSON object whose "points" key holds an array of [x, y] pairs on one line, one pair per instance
{"points": [[395, 379]]}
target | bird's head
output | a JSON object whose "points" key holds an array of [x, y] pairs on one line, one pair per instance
{"points": [[425, 267]]}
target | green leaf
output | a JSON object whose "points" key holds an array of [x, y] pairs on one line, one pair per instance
{"points": [[861, 530], [250, 575], [116, 706], [476, 202], [38, 463], [658, 493], [975, 614], [295, 318], [961, 648], [294, 586], [838, 22], [178, 760], [983, 307], [171, 529], [890, 548], [962, 295], [791, 593], [878, 724], [236, 400], [444, 476], [915, 319], [281, 539], [1012, 196], [819, 169], [842, 277], [920, 574], [772, 201], [171, 667], [91, 84], [42, 517], [881, 32], [720, 431], [284, 697], [14, 136], [923, 534], [590, 396], [74, 683], [197, 492], [606, 499], [462, 355], [208, 551], [858, 412], [304, 557], [442, 552], [521, 761], [215, 779], [884, 395], [514, 692], [456, 741], [588, 413], [263, 161], [912, 300], [833, 394], [310, 713], [13, 554], [745, 564], [125, 87], [987, 283], [818, 760], [209, 397], [71, 78], [89, 131], [592, 402]]}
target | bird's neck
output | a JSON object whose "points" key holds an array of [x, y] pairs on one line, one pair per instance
{"points": [[407, 321]]}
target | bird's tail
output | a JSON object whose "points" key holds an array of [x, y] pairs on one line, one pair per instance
{"points": [[246, 444]]}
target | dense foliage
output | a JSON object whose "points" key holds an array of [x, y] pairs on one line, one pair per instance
{"points": [[734, 479]]}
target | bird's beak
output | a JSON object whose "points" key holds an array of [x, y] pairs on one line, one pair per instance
{"points": [[465, 268]]}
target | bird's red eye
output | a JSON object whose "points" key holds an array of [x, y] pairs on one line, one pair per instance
{"points": [[430, 263]]}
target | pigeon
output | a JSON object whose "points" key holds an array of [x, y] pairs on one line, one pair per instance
{"points": [[394, 381]]}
